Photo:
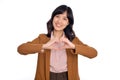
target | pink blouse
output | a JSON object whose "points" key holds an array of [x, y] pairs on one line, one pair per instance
{"points": [[58, 58]]}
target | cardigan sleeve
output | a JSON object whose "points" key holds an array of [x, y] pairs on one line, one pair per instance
{"points": [[31, 47], [83, 49]]}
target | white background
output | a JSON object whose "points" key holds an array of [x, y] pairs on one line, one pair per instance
{"points": [[97, 24]]}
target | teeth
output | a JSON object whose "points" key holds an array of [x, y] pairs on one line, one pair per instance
{"points": [[58, 25]]}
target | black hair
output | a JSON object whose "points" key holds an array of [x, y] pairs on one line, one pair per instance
{"points": [[69, 33]]}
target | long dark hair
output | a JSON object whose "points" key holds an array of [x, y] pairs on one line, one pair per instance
{"points": [[69, 33]]}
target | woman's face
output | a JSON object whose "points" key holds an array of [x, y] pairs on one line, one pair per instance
{"points": [[60, 21]]}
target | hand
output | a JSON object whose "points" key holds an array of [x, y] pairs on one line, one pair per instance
{"points": [[50, 44], [68, 44]]}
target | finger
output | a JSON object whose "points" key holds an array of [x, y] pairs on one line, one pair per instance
{"points": [[53, 47], [63, 47]]}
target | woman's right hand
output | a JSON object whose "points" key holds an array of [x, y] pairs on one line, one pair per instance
{"points": [[50, 44]]}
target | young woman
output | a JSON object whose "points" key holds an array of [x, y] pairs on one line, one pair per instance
{"points": [[58, 49]]}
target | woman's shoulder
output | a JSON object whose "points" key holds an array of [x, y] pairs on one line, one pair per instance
{"points": [[43, 36], [76, 40]]}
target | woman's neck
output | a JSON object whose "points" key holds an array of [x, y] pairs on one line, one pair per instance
{"points": [[58, 34]]}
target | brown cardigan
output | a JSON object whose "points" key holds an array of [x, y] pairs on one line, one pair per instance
{"points": [[43, 69]]}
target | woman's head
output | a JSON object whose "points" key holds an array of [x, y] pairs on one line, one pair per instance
{"points": [[60, 21], [64, 14]]}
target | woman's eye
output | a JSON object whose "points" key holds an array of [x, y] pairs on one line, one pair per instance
{"points": [[57, 16], [65, 18]]}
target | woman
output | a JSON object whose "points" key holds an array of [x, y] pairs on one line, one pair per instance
{"points": [[58, 49]]}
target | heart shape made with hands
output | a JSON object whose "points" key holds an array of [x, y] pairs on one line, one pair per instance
{"points": [[55, 44]]}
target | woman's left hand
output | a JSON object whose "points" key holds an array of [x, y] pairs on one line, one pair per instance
{"points": [[68, 44]]}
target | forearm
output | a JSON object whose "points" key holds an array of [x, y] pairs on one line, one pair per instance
{"points": [[85, 51], [29, 48]]}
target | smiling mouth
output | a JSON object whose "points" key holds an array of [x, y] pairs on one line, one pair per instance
{"points": [[58, 25]]}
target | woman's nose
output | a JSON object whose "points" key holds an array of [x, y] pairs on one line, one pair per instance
{"points": [[59, 20]]}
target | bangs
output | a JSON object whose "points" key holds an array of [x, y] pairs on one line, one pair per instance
{"points": [[60, 11]]}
